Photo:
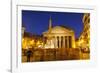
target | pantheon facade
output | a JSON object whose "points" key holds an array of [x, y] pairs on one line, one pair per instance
{"points": [[59, 37]]}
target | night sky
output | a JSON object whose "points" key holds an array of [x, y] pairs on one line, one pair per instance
{"points": [[36, 22]]}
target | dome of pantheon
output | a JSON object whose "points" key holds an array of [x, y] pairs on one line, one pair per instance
{"points": [[59, 29]]}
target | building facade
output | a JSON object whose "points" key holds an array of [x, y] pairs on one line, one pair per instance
{"points": [[84, 39], [59, 37]]}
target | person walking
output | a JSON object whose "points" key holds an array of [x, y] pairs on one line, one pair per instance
{"points": [[29, 54]]}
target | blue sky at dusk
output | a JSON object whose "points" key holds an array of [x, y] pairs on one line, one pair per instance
{"points": [[36, 22]]}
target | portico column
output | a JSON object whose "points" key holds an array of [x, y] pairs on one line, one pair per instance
{"points": [[73, 41], [63, 41], [59, 41], [56, 42], [67, 41]]}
